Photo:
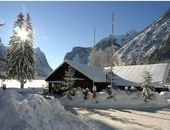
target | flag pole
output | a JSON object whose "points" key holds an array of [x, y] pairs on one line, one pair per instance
{"points": [[112, 38], [94, 51]]}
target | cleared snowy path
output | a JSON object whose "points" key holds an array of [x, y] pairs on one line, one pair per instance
{"points": [[129, 119]]}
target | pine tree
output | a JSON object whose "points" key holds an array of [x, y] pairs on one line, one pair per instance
{"points": [[147, 87], [69, 78], [20, 63], [69, 81]]}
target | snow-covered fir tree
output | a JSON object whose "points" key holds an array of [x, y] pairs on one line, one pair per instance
{"points": [[69, 79], [20, 63], [147, 87]]}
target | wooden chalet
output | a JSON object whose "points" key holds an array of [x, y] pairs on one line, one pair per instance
{"points": [[123, 75], [84, 76]]}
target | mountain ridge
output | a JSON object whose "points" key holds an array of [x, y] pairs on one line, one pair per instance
{"points": [[102, 47], [153, 42], [139, 49]]}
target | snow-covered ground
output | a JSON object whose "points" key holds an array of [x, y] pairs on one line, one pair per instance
{"points": [[24, 111], [125, 112], [28, 84], [120, 100], [127, 119], [27, 109]]}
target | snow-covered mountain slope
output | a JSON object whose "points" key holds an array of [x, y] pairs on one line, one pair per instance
{"points": [[42, 66], [123, 39], [140, 48], [82, 55]]}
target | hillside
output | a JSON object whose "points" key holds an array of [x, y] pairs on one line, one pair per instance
{"points": [[149, 45]]}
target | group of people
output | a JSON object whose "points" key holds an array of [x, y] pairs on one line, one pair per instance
{"points": [[130, 90], [94, 92]]}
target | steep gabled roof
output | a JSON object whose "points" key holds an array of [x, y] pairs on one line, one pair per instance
{"points": [[94, 73], [133, 75], [124, 75]]}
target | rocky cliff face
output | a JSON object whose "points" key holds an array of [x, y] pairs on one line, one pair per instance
{"points": [[42, 66], [2, 58], [2, 51], [103, 47], [79, 54], [148, 44], [123, 39]]}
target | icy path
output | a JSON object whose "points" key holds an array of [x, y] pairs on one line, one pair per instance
{"points": [[129, 119]]}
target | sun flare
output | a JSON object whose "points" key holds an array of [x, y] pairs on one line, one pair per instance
{"points": [[23, 34]]}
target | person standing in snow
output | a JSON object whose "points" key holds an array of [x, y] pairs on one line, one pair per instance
{"points": [[86, 93], [126, 89], [109, 91], [94, 91]]}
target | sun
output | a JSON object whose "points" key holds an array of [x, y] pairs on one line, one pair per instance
{"points": [[23, 34]]}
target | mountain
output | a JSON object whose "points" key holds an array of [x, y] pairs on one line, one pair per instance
{"points": [[2, 51], [42, 66], [150, 45], [2, 58], [79, 54], [83, 55], [123, 39], [2, 66]]}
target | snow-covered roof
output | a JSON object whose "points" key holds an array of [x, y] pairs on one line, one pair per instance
{"points": [[124, 75], [94, 73], [133, 75]]}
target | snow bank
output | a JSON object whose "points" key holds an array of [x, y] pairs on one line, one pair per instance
{"points": [[33, 112], [121, 99], [28, 84], [165, 94]]}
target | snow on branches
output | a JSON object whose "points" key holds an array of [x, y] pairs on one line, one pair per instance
{"points": [[147, 87], [69, 81], [20, 63]]}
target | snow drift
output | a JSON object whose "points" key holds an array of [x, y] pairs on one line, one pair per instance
{"points": [[120, 100], [33, 112]]}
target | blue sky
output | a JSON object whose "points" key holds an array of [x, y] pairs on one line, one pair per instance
{"points": [[60, 26]]}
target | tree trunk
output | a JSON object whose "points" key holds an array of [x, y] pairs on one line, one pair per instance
{"points": [[22, 83]]}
